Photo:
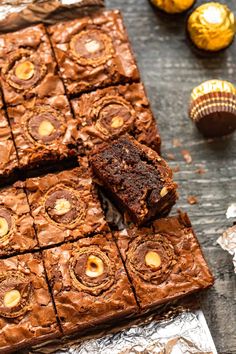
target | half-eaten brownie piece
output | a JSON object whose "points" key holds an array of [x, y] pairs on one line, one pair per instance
{"points": [[136, 177], [164, 261]]}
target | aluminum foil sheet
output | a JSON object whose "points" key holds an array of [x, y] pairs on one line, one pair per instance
{"points": [[186, 333], [16, 14], [231, 211], [228, 243]]}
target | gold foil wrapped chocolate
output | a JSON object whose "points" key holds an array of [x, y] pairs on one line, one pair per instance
{"points": [[173, 6], [211, 26], [213, 108]]}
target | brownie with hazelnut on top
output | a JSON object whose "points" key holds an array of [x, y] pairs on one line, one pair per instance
{"points": [[65, 205], [89, 284], [136, 177], [8, 157], [108, 113], [93, 52], [27, 314], [17, 232], [44, 132], [27, 64], [164, 261]]}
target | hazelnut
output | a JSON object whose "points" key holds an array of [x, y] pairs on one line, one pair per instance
{"points": [[92, 46], [3, 227], [94, 267], [11, 298], [117, 122], [46, 128], [24, 70], [163, 192], [62, 206], [153, 259]]}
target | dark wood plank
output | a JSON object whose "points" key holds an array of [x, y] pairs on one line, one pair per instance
{"points": [[170, 70]]}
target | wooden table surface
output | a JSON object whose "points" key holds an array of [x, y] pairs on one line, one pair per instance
{"points": [[169, 71]]}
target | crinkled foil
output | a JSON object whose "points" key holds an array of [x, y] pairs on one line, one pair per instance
{"points": [[16, 14], [186, 333], [231, 211], [228, 243]]}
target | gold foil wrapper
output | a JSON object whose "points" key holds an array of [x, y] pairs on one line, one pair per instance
{"points": [[212, 86], [173, 6], [211, 26]]}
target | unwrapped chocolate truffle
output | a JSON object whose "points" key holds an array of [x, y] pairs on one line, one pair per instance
{"points": [[173, 6], [213, 108], [211, 27]]}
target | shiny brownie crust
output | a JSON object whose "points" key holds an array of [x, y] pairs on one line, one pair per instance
{"points": [[65, 206], [32, 320], [136, 177], [32, 45], [108, 113], [59, 143], [17, 230], [8, 157], [182, 270], [82, 302], [93, 52]]}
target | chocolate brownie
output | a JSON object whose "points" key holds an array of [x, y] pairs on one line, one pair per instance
{"points": [[164, 261], [16, 225], [44, 131], [89, 284], [65, 206], [26, 312], [110, 112], [136, 177], [8, 157], [93, 52], [27, 65]]}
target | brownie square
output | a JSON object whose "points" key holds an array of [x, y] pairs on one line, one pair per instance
{"points": [[65, 206], [109, 113], [16, 225], [164, 261], [44, 131], [136, 177], [89, 284], [26, 311], [93, 52], [28, 67], [8, 157]]}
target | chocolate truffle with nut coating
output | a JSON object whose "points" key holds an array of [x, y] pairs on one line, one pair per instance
{"points": [[211, 27], [173, 6]]}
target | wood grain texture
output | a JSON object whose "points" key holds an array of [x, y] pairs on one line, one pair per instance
{"points": [[169, 71]]}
